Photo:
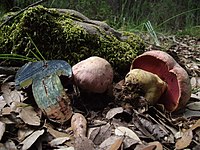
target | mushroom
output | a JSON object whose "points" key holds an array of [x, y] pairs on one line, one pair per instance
{"points": [[151, 85], [178, 90], [47, 88], [93, 74]]}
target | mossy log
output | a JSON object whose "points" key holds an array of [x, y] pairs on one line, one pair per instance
{"points": [[68, 35]]}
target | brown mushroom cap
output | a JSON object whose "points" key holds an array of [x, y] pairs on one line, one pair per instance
{"points": [[162, 64], [94, 74]]}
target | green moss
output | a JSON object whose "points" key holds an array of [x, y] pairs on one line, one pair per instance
{"points": [[58, 37]]}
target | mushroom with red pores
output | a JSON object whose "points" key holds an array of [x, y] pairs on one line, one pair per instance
{"points": [[94, 74], [178, 83]]}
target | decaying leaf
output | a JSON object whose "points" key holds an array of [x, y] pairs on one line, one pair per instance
{"points": [[10, 145], [185, 140], [23, 133], [2, 104], [10, 94], [28, 142], [107, 143], [83, 143], [55, 133], [117, 144], [114, 111], [58, 141], [28, 115], [124, 131], [194, 106], [2, 129], [101, 133]]}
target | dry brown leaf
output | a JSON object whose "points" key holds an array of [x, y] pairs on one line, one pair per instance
{"points": [[196, 125], [194, 106], [124, 131], [2, 103], [11, 95], [185, 140], [10, 145], [2, 147], [23, 133], [28, 142], [117, 144], [83, 143], [2, 129], [157, 144], [107, 143], [28, 115], [58, 141], [55, 133], [6, 111], [103, 133], [114, 111]]}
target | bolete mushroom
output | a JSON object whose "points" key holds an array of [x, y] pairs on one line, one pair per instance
{"points": [[93, 74], [151, 85], [47, 88], [178, 90]]}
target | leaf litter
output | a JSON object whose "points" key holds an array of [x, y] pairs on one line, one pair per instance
{"points": [[116, 126]]}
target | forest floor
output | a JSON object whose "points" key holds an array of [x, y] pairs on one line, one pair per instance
{"points": [[22, 125]]}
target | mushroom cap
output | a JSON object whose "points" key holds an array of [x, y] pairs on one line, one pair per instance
{"points": [[177, 79], [94, 74]]}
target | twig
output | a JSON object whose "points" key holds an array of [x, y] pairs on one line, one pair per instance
{"points": [[19, 12]]}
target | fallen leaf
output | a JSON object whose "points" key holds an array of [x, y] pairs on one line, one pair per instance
{"points": [[107, 143], [58, 141], [28, 115], [191, 113], [2, 103], [194, 106], [28, 142], [6, 111], [124, 131], [10, 145], [185, 140], [114, 111], [117, 144], [157, 144], [11, 95], [55, 133], [83, 143], [23, 133], [2, 129], [196, 125], [103, 133]]}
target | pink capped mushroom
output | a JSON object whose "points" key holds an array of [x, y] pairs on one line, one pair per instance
{"points": [[94, 74], [178, 90]]}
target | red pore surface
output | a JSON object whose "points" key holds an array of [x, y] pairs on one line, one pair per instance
{"points": [[94, 74], [160, 63]]}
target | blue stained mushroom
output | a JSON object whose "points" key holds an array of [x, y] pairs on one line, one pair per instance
{"points": [[29, 71], [48, 91]]}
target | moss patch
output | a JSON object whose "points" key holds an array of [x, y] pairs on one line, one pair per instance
{"points": [[59, 36]]}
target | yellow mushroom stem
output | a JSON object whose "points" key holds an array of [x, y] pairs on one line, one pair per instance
{"points": [[152, 86]]}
